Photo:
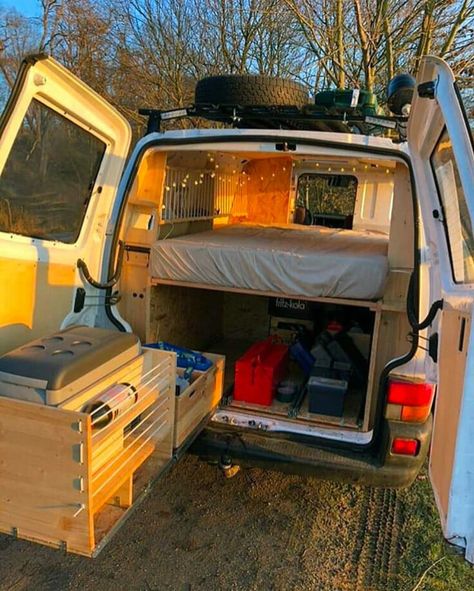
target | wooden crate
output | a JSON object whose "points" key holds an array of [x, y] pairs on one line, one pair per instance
{"points": [[66, 484], [199, 399]]}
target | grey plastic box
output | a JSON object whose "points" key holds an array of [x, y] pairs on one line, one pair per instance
{"points": [[53, 368], [327, 395]]}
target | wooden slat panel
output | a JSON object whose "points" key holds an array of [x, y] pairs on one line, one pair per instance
{"points": [[118, 472]]}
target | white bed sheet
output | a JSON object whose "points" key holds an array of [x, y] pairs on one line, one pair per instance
{"points": [[307, 261]]}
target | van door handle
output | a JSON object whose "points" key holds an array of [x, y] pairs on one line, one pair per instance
{"points": [[462, 333]]}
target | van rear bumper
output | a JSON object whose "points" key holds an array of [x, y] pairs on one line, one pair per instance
{"points": [[376, 466]]}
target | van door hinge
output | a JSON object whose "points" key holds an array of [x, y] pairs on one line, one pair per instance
{"points": [[427, 89]]}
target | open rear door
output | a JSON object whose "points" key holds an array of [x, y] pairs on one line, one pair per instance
{"points": [[62, 152], [441, 147]]}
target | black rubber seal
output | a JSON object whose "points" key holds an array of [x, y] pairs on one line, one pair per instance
{"points": [[413, 294]]}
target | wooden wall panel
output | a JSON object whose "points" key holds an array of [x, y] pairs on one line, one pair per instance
{"points": [[268, 190], [184, 316]]}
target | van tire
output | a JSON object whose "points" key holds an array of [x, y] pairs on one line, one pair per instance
{"points": [[249, 90]]}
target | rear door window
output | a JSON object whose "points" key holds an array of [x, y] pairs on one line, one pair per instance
{"points": [[328, 199], [455, 212], [48, 178]]}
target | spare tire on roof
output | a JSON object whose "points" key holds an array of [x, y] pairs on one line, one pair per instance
{"points": [[250, 90]]}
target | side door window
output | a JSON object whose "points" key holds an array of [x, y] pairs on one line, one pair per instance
{"points": [[48, 178]]}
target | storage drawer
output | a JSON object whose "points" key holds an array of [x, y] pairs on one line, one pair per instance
{"points": [[198, 400], [68, 476]]}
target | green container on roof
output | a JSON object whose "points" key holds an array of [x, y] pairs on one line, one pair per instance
{"points": [[342, 100]]}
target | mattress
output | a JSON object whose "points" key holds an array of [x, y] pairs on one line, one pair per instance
{"points": [[306, 261]]}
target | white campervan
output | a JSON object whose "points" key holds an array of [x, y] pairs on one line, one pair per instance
{"points": [[326, 276]]}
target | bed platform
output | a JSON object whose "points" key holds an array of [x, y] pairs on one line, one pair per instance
{"points": [[311, 262]]}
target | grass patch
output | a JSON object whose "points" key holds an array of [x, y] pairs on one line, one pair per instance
{"points": [[422, 544]]}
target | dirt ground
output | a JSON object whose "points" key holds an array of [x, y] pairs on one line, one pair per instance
{"points": [[257, 531]]}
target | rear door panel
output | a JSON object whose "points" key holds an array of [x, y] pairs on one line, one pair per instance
{"points": [[62, 152], [443, 160]]}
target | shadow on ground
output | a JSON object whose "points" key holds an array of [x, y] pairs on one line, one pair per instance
{"points": [[258, 531]]}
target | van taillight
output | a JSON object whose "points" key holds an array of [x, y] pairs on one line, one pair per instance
{"points": [[405, 447], [409, 401]]}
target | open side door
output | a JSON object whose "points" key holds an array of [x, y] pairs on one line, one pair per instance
{"points": [[62, 152], [441, 148]]}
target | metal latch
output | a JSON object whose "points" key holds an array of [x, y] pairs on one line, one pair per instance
{"points": [[427, 89]]}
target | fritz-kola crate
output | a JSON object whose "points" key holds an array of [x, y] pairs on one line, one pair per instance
{"points": [[199, 399], [71, 472]]}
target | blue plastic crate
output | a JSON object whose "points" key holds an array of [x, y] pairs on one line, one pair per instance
{"points": [[187, 358]]}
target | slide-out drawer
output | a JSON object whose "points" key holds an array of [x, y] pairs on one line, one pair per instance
{"points": [[70, 474], [196, 402]]}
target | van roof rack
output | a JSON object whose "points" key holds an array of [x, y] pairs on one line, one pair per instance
{"points": [[309, 118]]}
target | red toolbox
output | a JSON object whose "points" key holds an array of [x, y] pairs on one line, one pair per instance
{"points": [[258, 372]]}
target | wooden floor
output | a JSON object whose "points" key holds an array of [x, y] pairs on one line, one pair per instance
{"points": [[233, 349]]}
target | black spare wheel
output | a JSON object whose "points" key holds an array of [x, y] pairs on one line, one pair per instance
{"points": [[250, 90]]}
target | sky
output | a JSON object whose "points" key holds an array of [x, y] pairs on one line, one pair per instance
{"points": [[26, 7]]}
